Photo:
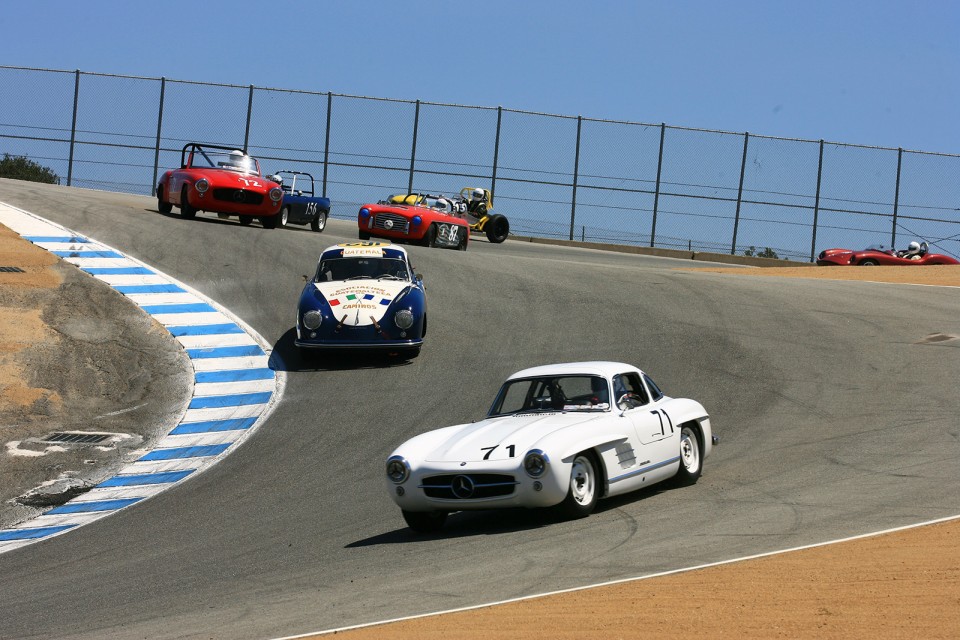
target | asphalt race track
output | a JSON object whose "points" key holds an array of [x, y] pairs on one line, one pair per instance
{"points": [[835, 418]]}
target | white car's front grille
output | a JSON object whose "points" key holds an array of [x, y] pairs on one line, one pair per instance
{"points": [[469, 486]]}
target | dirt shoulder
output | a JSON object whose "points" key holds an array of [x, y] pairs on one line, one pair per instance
{"points": [[75, 356], [934, 275]]}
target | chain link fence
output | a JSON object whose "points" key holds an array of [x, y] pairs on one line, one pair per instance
{"points": [[553, 176]]}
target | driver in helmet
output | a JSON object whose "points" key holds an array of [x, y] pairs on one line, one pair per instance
{"points": [[478, 203], [912, 251]]}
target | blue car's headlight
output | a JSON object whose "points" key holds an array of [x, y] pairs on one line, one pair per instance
{"points": [[403, 319], [312, 319]]}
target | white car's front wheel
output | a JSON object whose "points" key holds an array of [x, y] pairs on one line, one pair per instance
{"points": [[584, 488], [424, 521]]}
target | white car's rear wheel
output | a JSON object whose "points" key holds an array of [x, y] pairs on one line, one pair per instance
{"points": [[691, 463], [584, 488]]}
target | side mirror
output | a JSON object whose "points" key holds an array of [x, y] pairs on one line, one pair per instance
{"points": [[419, 278], [305, 277]]}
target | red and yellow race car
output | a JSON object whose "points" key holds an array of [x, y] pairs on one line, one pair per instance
{"points": [[415, 218], [915, 254], [220, 180]]}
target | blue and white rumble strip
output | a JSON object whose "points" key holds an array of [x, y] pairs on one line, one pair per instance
{"points": [[233, 393]]}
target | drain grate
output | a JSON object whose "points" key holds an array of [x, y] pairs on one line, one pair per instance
{"points": [[11, 270], [76, 438]]}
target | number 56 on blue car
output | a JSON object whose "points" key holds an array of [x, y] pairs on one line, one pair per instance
{"points": [[363, 295]]}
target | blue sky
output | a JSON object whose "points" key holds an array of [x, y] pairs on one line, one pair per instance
{"points": [[880, 73]]}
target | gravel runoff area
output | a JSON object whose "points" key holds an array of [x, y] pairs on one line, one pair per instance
{"points": [[76, 356]]}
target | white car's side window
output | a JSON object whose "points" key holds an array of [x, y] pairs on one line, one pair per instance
{"points": [[627, 387]]}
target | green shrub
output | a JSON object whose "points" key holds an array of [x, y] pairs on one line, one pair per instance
{"points": [[766, 253], [23, 168]]}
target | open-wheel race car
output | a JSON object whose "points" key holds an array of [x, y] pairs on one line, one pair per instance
{"points": [[220, 180], [916, 254], [560, 435], [300, 204], [418, 221], [363, 295]]}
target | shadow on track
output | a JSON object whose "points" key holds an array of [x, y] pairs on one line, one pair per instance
{"points": [[467, 524]]}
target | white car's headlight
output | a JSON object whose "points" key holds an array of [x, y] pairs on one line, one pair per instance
{"points": [[403, 318], [202, 185], [398, 469], [312, 319], [276, 194], [535, 463]]}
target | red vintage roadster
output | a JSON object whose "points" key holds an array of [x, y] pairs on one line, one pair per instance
{"points": [[879, 255], [220, 180], [413, 218]]}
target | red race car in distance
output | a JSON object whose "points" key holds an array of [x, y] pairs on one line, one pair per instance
{"points": [[220, 180], [874, 255], [414, 218]]}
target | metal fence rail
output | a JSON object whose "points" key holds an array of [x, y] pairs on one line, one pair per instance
{"points": [[552, 175]]}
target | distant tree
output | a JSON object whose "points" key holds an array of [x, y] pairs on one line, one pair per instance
{"points": [[766, 253], [23, 168]]}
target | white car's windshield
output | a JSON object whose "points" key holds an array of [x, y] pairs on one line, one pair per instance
{"points": [[553, 393], [360, 268]]}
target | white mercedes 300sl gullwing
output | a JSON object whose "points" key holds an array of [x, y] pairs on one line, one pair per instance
{"points": [[553, 438]]}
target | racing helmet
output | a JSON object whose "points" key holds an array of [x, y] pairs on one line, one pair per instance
{"points": [[477, 194], [913, 247]]}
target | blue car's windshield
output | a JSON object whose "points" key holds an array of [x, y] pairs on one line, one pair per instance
{"points": [[552, 393], [357, 268]]}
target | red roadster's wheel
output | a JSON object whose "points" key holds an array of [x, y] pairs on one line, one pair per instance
{"points": [[185, 209], [162, 205]]}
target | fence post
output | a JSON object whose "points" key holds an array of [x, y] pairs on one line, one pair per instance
{"points": [[73, 126], [743, 168], [156, 151], [896, 200], [326, 144], [576, 171], [656, 193], [816, 205], [413, 150], [246, 134], [496, 156]]}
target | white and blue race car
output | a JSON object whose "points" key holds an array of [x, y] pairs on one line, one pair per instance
{"points": [[559, 435], [363, 295]]}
